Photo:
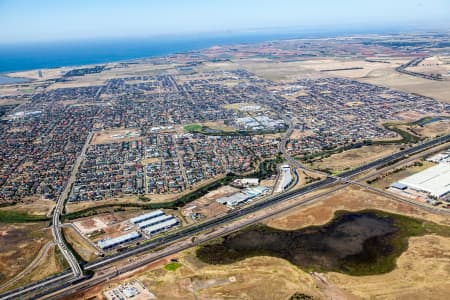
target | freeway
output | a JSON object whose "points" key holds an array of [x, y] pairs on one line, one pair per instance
{"points": [[237, 214]]}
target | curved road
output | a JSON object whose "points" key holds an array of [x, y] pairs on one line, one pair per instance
{"points": [[30, 267]]}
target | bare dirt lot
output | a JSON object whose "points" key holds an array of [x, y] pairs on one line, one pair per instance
{"points": [[207, 204], [115, 136]]}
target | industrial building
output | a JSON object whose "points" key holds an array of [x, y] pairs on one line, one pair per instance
{"points": [[154, 221], [112, 242], [243, 196], [443, 157], [147, 216], [285, 178], [434, 181], [156, 228]]}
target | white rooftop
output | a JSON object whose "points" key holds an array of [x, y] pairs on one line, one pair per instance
{"points": [[434, 180]]}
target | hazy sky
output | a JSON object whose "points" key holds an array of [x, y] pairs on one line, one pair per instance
{"points": [[45, 20]]}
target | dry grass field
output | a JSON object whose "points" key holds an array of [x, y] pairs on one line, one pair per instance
{"points": [[429, 130], [388, 77], [354, 157], [51, 263], [351, 199], [19, 244], [262, 278], [33, 206], [81, 246], [409, 170], [422, 273]]}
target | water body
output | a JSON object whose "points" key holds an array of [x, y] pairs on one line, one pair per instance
{"points": [[12, 80], [52, 55], [350, 243], [18, 57]]}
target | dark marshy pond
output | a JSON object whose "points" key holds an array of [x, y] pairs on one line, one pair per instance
{"points": [[359, 243]]}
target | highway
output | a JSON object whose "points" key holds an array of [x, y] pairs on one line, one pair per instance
{"points": [[237, 214], [414, 62]]}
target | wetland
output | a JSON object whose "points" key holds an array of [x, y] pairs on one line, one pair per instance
{"points": [[356, 243]]}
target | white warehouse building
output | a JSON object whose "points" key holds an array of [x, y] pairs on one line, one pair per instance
{"points": [[434, 181]]}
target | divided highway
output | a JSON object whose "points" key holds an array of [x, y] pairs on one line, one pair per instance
{"points": [[232, 216]]}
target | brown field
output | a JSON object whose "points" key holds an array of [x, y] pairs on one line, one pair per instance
{"points": [[19, 244], [254, 278], [106, 136], [278, 71], [432, 129], [312, 68], [432, 65], [9, 101], [422, 273], [90, 224], [219, 125], [387, 180], [306, 176], [352, 199], [32, 206], [354, 157], [207, 204], [51, 263], [81, 246], [46, 73], [388, 77], [332, 63]]}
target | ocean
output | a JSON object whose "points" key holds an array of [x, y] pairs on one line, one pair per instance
{"points": [[20, 57]]}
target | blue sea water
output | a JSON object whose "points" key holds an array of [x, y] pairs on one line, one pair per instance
{"points": [[19, 57]]}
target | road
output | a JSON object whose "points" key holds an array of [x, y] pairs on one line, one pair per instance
{"points": [[249, 210], [30, 267], [414, 62], [56, 225]]}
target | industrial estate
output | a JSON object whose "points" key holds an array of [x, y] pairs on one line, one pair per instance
{"points": [[148, 179]]}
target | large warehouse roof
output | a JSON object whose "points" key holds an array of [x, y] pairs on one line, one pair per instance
{"points": [[147, 216], [108, 243], [434, 180]]}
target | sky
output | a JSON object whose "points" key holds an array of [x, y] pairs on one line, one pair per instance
{"points": [[47, 20]]}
